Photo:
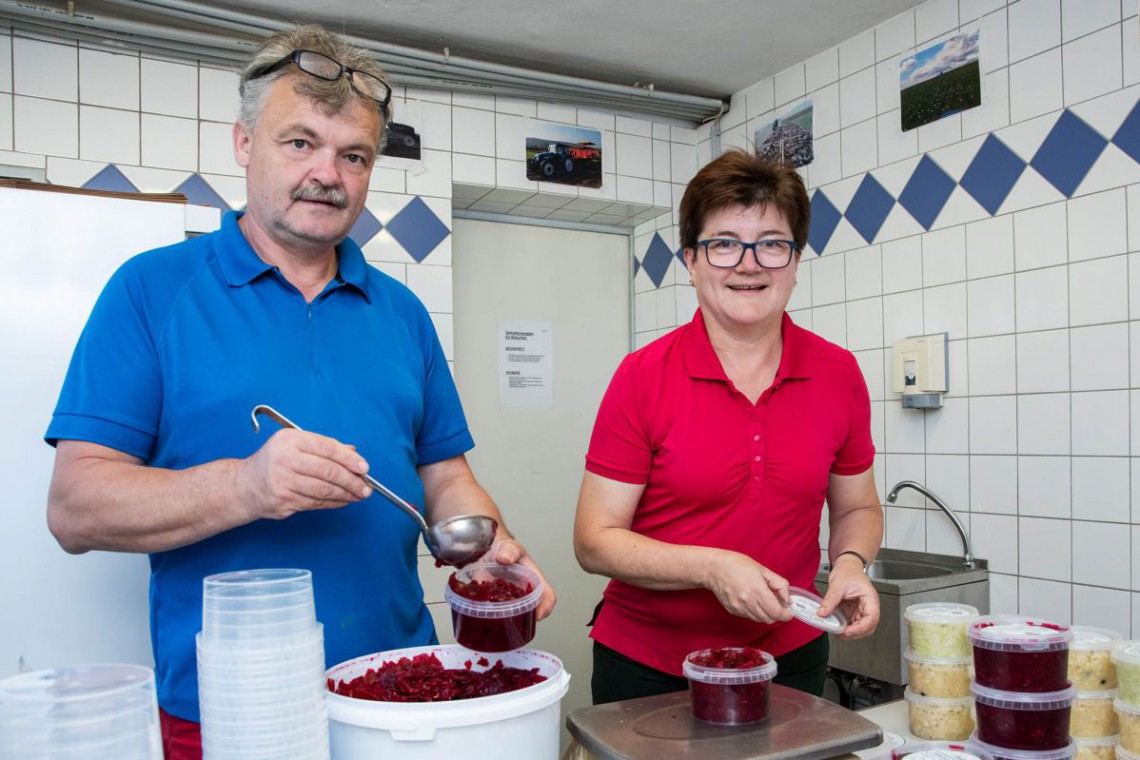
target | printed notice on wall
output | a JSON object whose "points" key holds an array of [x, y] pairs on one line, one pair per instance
{"points": [[526, 365]]}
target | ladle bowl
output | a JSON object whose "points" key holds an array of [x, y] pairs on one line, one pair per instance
{"points": [[454, 541]]}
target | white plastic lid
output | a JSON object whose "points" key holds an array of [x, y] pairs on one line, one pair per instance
{"points": [[1126, 651], [804, 606], [1089, 638], [1023, 700], [941, 612], [519, 575], [1014, 633], [911, 656], [943, 751], [729, 676], [920, 699], [1000, 753]]}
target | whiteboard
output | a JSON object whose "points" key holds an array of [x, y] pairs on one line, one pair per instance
{"points": [[56, 252]]}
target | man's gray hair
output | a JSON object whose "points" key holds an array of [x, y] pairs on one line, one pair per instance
{"points": [[333, 95]]}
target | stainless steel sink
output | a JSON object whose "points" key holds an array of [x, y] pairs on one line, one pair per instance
{"points": [[901, 570]]}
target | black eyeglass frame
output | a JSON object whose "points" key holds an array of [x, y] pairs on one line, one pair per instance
{"points": [[745, 247], [295, 58]]}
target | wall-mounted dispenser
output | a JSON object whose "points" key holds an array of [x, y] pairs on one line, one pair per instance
{"points": [[920, 373]]}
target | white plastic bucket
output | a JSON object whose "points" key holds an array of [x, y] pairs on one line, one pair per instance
{"points": [[518, 724]]}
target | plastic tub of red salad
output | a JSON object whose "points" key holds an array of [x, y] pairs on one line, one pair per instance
{"points": [[493, 606], [1016, 653], [729, 686], [1031, 720], [446, 701]]}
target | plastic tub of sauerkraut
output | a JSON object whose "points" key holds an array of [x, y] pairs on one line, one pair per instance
{"points": [[1102, 748], [939, 718], [1090, 658], [1093, 716], [938, 629], [931, 677]]}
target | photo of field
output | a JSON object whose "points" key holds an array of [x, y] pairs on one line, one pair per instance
{"points": [[788, 139], [940, 81], [564, 154]]}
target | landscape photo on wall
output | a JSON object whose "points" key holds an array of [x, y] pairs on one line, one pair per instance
{"points": [[940, 80]]}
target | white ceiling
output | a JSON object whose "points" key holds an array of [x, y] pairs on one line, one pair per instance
{"points": [[710, 49]]}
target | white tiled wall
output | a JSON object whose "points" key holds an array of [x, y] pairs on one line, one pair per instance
{"points": [[1038, 445]]}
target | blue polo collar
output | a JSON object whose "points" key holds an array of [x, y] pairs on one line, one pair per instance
{"points": [[240, 264]]}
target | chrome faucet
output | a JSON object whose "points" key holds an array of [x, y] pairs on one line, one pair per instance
{"points": [[967, 553]]}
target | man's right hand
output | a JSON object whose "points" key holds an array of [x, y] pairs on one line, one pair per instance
{"points": [[296, 471]]}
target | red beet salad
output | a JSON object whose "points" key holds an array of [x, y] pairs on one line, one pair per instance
{"points": [[424, 679]]}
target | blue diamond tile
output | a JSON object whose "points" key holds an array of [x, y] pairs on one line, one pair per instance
{"points": [[1069, 151], [680, 254], [365, 228], [111, 179], [824, 219], [1127, 138], [926, 192], [636, 266], [869, 208], [656, 260], [992, 174], [418, 229], [199, 192]]}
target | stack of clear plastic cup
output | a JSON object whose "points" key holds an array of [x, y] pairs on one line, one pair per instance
{"points": [[80, 712], [261, 665]]}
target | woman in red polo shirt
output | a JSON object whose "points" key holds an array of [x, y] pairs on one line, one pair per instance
{"points": [[713, 452]]}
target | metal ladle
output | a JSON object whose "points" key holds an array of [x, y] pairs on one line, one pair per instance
{"points": [[454, 541]]}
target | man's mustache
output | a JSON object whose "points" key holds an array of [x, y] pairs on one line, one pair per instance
{"points": [[321, 194]]}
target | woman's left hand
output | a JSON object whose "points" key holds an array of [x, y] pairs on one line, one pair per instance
{"points": [[507, 551], [850, 590]]}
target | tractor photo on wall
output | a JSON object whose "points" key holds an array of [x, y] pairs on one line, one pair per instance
{"points": [[563, 159]]}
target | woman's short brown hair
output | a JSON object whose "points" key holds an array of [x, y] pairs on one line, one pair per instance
{"points": [[740, 178]]}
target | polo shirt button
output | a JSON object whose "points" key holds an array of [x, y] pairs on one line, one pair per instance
{"points": [[756, 438], [757, 459]]}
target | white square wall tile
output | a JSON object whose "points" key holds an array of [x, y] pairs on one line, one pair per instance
{"points": [[902, 316], [993, 425], [1035, 86], [1042, 299], [887, 87], [949, 477], [1043, 361], [1097, 225], [5, 121], [1098, 291], [934, 18], [994, 26], [1100, 423], [1101, 489], [1093, 542], [993, 485], [1102, 608], [109, 79], [216, 149], [1034, 26], [864, 270], [218, 96], [894, 35], [1093, 65], [510, 135], [5, 63], [169, 142], [435, 125], [1044, 548], [683, 162], [432, 285], [1134, 218], [822, 69], [864, 324], [948, 428], [1080, 17], [902, 263], [944, 256], [994, 538], [1045, 600], [169, 88], [906, 431], [634, 156], [857, 97], [108, 134], [1039, 236], [1044, 487], [473, 131], [790, 84], [859, 147], [47, 127], [944, 310], [45, 69], [1003, 593], [828, 280], [825, 108], [1043, 424], [857, 53], [871, 365], [990, 306], [1099, 357], [993, 366], [905, 529], [830, 323]]}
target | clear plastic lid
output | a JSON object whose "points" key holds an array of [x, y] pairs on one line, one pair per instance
{"points": [[1000, 753], [1107, 694], [1015, 633], [1125, 707], [1088, 638], [729, 676], [883, 750], [1096, 741], [912, 657], [942, 751], [804, 606], [1126, 652], [941, 612], [1023, 700], [919, 699], [1123, 754], [517, 575]]}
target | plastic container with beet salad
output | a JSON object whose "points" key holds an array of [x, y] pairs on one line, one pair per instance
{"points": [[1015, 653], [493, 606], [729, 686], [1031, 720]]}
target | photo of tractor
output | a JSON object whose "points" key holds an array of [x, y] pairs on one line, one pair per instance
{"points": [[563, 161]]}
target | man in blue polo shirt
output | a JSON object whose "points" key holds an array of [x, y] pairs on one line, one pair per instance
{"points": [[155, 452]]}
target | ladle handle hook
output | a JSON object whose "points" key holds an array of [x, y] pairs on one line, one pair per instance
{"points": [[376, 485]]}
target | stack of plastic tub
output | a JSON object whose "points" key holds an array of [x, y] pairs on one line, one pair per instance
{"points": [[1126, 658], [1022, 694], [939, 668], [1093, 723], [80, 712], [261, 663]]}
